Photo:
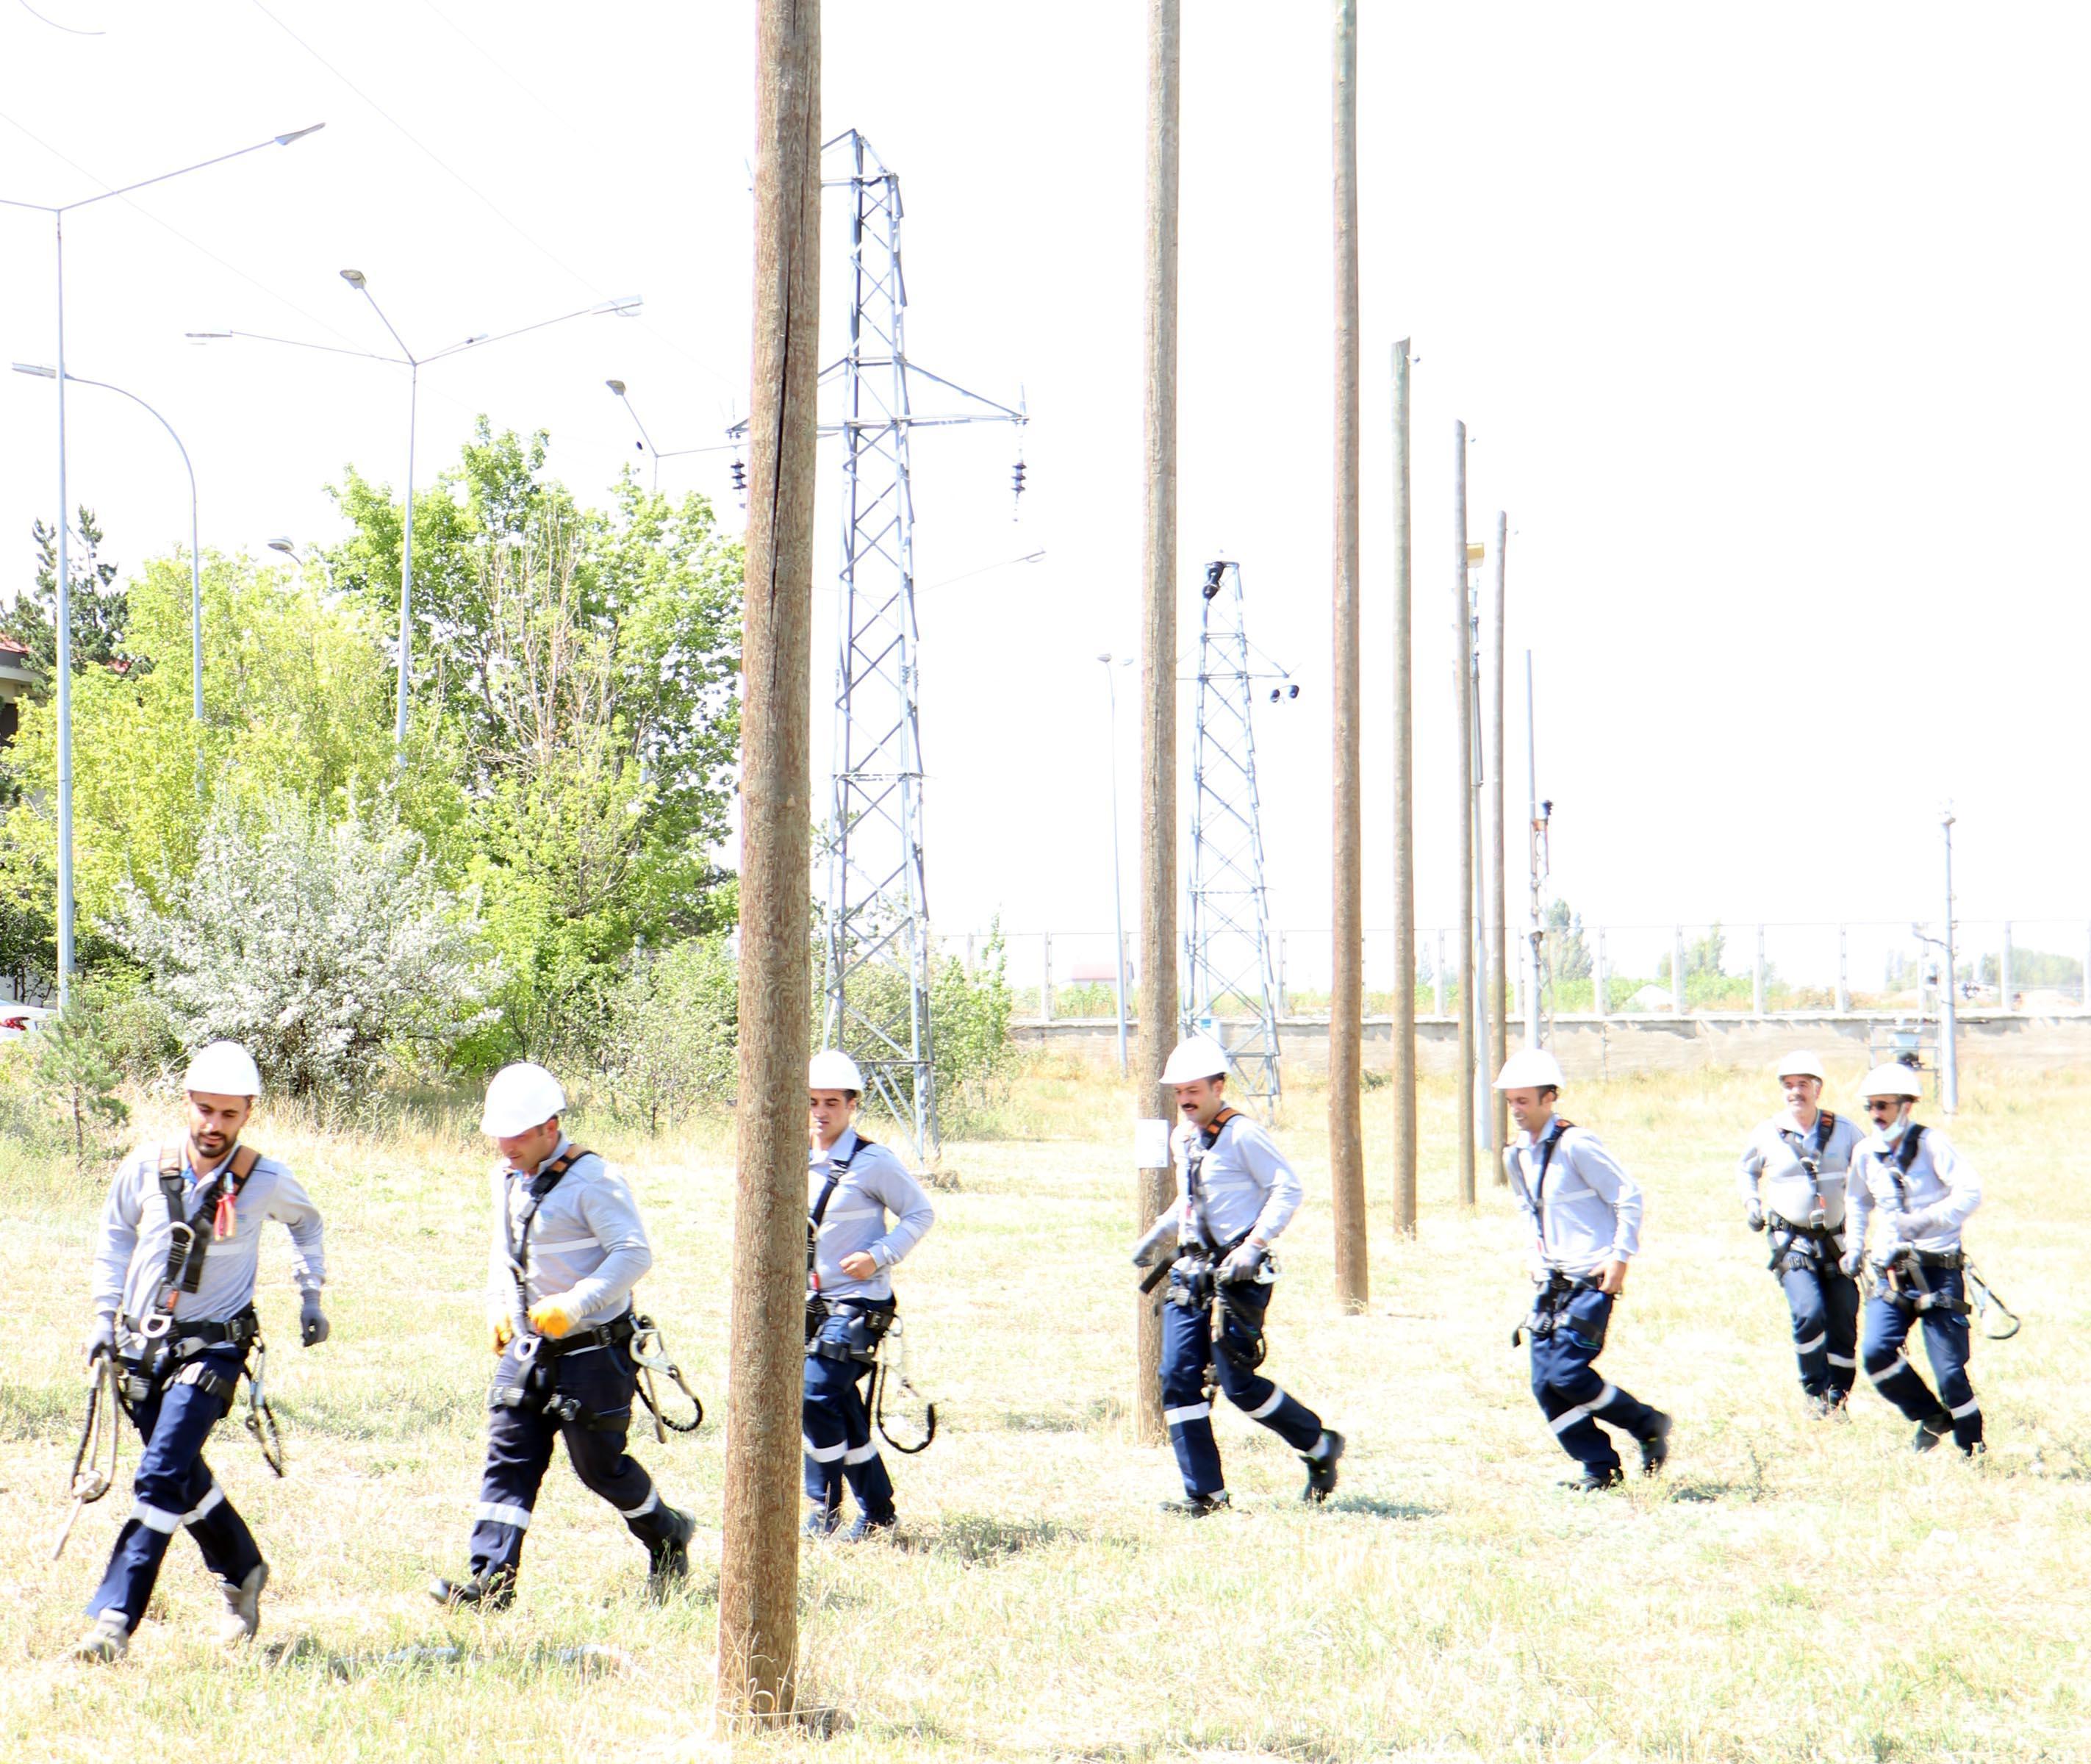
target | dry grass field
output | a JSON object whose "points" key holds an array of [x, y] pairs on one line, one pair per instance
{"points": [[1789, 1590]]}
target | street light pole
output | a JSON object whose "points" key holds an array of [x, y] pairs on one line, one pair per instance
{"points": [[646, 441], [1949, 1051], [1118, 885], [624, 306], [63, 610], [290, 551]]}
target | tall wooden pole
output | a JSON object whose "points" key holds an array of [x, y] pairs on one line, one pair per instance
{"points": [[1158, 1003], [1463, 654], [1499, 956], [758, 1630], [1347, 997], [1404, 823]]}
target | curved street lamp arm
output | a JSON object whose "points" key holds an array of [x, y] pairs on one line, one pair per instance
{"points": [[295, 342]]}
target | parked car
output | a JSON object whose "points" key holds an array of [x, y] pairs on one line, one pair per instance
{"points": [[17, 1020]]}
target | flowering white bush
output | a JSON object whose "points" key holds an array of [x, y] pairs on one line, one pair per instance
{"points": [[323, 948]]}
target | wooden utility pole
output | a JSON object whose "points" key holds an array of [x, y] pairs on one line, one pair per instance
{"points": [[1404, 824], [1158, 1005], [758, 1630], [1463, 655], [1346, 995], [1499, 954]]}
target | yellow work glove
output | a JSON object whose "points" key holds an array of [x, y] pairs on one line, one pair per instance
{"points": [[553, 1317], [500, 1331]]}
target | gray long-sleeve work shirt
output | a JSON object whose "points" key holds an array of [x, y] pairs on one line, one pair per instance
{"points": [[130, 1255], [587, 1243], [1586, 1212], [874, 1185], [1771, 1172], [1245, 1186], [1926, 1207]]}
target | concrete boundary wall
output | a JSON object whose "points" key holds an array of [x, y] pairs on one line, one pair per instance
{"points": [[1594, 1047]]}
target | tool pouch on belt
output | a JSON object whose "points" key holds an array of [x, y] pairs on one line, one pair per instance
{"points": [[1552, 1309], [1795, 1249], [535, 1386], [1191, 1280], [859, 1337]]}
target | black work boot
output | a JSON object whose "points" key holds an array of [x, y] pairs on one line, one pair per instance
{"points": [[1929, 1433], [867, 1525], [1321, 1467], [671, 1553], [1655, 1449], [822, 1522], [1594, 1481], [488, 1590], [1199, 1506]]}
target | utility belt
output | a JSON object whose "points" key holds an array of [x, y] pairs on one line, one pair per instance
{"points": [[162, 1352], [867, 1320], [1195, 1285], [1550, 1300], [1799, 1249], [1904, 1284], [537, 1359]]}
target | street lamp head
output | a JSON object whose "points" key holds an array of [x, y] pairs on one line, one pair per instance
{"points": [[298, 134], [1105, 658], [206, 336], [284, 546], [41, 372], [353, 278], [616, 387], [625, 305]]}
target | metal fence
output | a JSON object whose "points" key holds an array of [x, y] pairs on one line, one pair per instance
{"points": [[2025, 965]]}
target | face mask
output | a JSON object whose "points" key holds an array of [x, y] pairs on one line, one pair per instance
{"points": [[1893, 1130]]}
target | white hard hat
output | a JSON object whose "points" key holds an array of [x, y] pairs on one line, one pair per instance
{"points": [[1199, 1056], [1799, 1065], [521, 1096], [1530, 1068], [832, 1069], [223, 1069], [1894, 1080]]}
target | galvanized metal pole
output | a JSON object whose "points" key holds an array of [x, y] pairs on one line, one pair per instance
{"points": [[1118, 884], [1757, 977], [1463, 688], [1404, 821], [1347, 1147], [1949, 990], [1155, 1186], [62, 636], [1499, 936], [1536, 926], [1597, 1000], [2004, 969], [758, 1637], [1677, 970], [1843, 971]]}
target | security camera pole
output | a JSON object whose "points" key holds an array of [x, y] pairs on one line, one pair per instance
{"points": [[1158, 1006], [758, 1634], [1347, 1149]]}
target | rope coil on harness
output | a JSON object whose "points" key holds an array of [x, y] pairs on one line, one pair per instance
{"points": [[261, 1419], [650, 1356], [891, 1366], [99, 1436], [1997, 1321]]}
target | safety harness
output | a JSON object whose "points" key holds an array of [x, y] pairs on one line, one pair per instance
{"points": [[1904, 1274], [94, 1459], [816, 1307], [1194, 1281], [536, 1356], [1809, 1248], [163, 1343], [1552, 1296]]}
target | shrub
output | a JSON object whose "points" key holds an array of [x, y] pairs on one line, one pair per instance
{"points": [[669, 1050], [324, 949]]}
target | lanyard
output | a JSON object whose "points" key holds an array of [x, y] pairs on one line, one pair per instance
{"points": [[1559, 1126], [519, 1240], [1194, 1156], [836, 1173]]}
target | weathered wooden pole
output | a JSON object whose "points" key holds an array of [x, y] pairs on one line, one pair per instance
{"points": [[1347, 998], [1158, 1003], [1404, 824], [1462, 652], [758, 1629], [1499, 954]]}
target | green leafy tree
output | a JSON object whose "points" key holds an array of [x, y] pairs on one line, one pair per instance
{"points": [[100, 610], [673, 1033], [1567, 953], [77, 1072]]}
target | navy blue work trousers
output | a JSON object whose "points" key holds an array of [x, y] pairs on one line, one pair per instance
{"points": [[1947, 1341], [602, 1381], [835, 1421], [173, 1487], [1188, 1354], [1824, 1301], [1573, 1396]]}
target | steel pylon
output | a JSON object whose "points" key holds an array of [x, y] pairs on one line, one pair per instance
{"points": [[1232, 980], [876, 951]]}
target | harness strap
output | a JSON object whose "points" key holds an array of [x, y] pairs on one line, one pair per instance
{"points": [[541, 1185], [1194, 1158], [1559, 1126], [836, 1173], [186, 1244]]}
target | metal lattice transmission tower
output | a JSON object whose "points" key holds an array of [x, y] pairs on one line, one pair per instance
{"points": [[1231, 993], [876, 956]]}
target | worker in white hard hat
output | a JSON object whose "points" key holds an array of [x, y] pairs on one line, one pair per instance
{"points": [[865, 1213], [174, 1274], [1794, 1170], [1235, 1194], [1922, 1191], [1585, 1213], [568, 1248]]}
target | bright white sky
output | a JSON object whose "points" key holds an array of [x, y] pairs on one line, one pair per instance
{"points": [[1769, 328]]}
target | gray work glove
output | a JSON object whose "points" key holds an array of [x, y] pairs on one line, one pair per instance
{"points": [[100, 1339], [1243, 1262], [312, 1325], [1851, 1261], [1753, 1215], [1909, 1226], [1158, 1245]]}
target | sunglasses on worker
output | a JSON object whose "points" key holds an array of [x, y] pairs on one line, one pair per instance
{"points": [[1883, 1105]]}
